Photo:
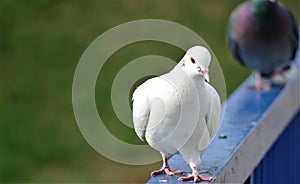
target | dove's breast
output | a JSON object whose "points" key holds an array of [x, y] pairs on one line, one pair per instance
{"points": [[172, 114]]}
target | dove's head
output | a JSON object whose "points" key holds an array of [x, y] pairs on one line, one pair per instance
{"points": [[196, 61]]}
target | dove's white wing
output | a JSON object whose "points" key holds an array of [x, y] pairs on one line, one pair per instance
{"points": [[211, 119], [141, 110], [213, 116]]}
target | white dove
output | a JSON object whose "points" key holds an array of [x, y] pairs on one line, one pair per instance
{"points": [[179, 111]]}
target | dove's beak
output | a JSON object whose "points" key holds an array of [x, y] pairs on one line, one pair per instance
{"points": [[206, 75]]}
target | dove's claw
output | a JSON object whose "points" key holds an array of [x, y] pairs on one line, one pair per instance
{"points": [[157, 172], [264, 87], [172, 172], [195, 177], [167, 171], [259, 84]]}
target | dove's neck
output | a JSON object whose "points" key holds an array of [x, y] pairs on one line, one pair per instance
{"points": [[198, 80], [188, 77]]}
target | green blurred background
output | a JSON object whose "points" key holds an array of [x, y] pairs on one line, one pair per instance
{"points": [[41, 43]]}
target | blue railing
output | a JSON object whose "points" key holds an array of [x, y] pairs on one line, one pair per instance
{"points": [[260, 138]]}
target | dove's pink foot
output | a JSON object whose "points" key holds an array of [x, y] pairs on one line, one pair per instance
{"points": [[264, 87], [259, 85], [281, 77], [195, 176], [166, 169]]}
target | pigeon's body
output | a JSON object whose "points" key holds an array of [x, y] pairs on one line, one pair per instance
{"points": [[263, 36], [177, 111]]}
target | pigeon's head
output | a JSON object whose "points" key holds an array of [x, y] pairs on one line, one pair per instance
{"points": [[196, 61], [263, 7]]}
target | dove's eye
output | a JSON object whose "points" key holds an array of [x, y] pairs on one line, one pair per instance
{"points": [[193, 60]]}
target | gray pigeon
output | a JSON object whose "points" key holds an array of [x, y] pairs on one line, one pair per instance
{"points": [[179, 111], [263, 36]]}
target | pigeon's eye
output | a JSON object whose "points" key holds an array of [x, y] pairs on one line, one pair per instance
{"points": [[193, 60]]}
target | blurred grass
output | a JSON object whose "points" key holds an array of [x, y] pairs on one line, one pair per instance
{"points": [[41, 43]]}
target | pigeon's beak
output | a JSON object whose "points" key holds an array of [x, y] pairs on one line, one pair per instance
{"points": [[206, 75]]}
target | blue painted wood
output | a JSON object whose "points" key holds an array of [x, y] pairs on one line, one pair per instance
{"points": [[282, 162]]}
